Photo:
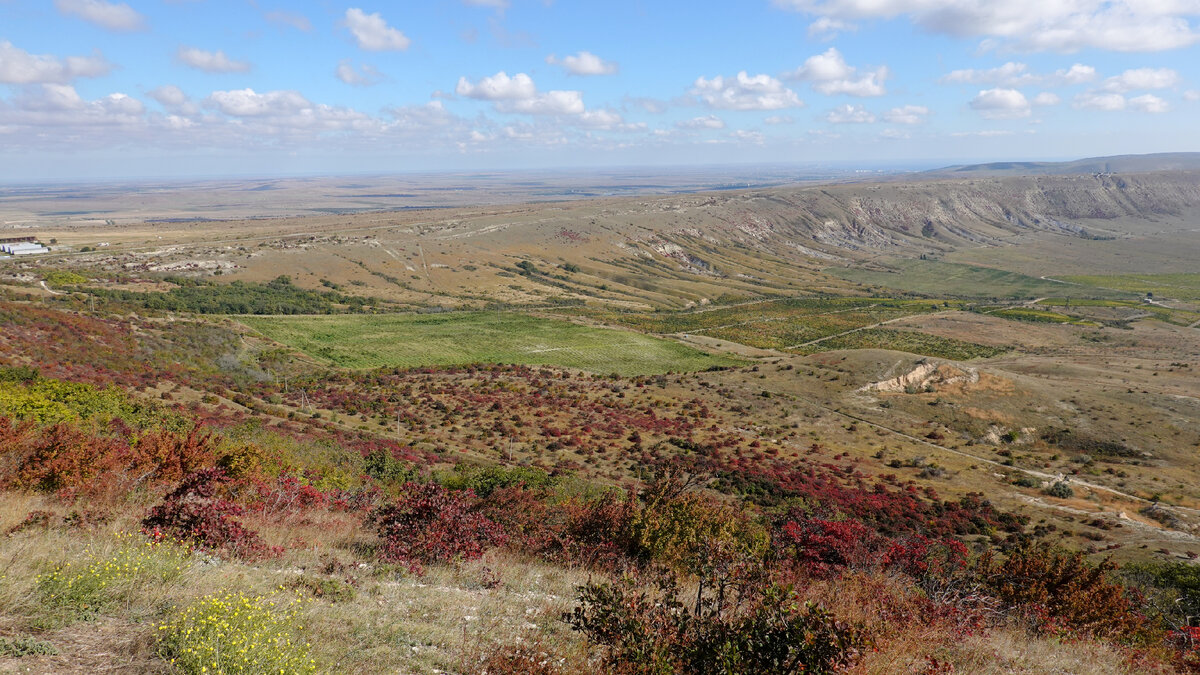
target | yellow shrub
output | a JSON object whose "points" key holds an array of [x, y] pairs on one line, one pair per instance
{"points": [[234, 633]]}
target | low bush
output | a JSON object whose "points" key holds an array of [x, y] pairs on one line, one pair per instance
{"points": [[429, 523], [1063, 592], [193, 513], [234, 633], [16, 647], [485, 480], [649, 630]]}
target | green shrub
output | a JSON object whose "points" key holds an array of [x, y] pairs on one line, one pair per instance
{"points": [[1027, 482], [1060, 490], [26, 646], [381, 466], [486, 480], [234, 633]]}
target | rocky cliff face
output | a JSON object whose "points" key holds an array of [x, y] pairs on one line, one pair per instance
{"points": [[930, 216]]}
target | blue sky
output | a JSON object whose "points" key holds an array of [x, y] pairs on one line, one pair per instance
{"points": [[99, 89]]}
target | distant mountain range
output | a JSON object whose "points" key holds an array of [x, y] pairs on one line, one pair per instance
{"points": [[1163, 161]]}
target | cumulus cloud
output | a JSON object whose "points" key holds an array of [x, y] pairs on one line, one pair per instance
{"points": [[498, 87], [174, 100], [169, 95], [1149, 103], [849, 114], [826, 28], [1141, 78], [584, 63], [210, 62], [18, 66], [1001, 104], [1092, 100], [518, 94], [1035, 25], [113, 16], [1013, 74], [364, 76], [830, 74], [249, 103], [908, 114], [1191, 95], [1046, 98], [743, 92], [548, 103], [706, 122], [373, 33]]}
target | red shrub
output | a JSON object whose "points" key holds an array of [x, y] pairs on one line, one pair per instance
{"points": [[193, 513], [431, 524]]}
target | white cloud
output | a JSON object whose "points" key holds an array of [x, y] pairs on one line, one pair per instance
{"points": [[210, 62], [1076, 74], [826, 28], [1191, 95], [548, 103], [778, 119], [373, 34], [249, 103], [498, 87], [849, 114], [1098, 101], [297, 21], [894, 135], [18, 66], [1046, 98], [50, 98], [169, 95], [365, 76], [518, 94], [908, 114], [121, 104], [1013, 74], [707, 122], [830, 74], [584, 63], [1001, 104], [1149, 103], [743, 92], [1141, 78], [744, 136], [113, 16], [1035, 25]]}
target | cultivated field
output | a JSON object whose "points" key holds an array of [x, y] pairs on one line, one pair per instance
{"points": [[479, 337], [935, 277]]}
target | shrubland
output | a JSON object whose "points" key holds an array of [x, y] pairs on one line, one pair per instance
{"points": [[499, 519]]}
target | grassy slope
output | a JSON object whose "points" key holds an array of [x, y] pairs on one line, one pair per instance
{"points": [[479, 337], [942, 278]]}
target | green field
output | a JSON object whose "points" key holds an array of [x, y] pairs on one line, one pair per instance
{"points": [[1178, 286], [408, 340], [904, 341], [933, 277]]}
